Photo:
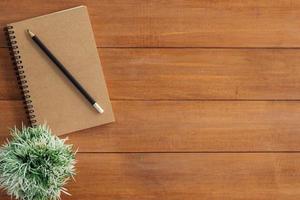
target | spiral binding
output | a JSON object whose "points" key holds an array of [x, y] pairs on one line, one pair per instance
{"points": [[20, 73]]}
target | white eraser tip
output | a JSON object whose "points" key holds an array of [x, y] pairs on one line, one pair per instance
{"points": [[98, 108]]}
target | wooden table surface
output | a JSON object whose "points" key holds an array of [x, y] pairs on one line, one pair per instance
{"points": [[206, 96]]}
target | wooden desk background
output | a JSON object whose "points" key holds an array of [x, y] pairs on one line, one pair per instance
{"points": [[206, 97]]}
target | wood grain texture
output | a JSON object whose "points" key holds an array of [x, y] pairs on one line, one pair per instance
{"points": [[186, 176], [177, 23], [187, 126], [161, 74], [202, 73]]}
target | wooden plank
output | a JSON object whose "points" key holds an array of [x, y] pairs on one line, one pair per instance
{"points": [[202, 73], [186, 176], [8, 82], [187, 126], [189, 73], [177, 23]]}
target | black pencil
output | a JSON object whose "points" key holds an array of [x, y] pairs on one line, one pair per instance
{"points": [[65, 71]]}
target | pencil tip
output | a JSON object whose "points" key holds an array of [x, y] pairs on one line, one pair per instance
{"points": [[30, 33]]}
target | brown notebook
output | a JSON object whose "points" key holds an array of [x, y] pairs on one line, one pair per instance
{"points": [[48, 94]]}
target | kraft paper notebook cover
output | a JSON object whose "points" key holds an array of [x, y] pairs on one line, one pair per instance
{"points": [[49, 95]]}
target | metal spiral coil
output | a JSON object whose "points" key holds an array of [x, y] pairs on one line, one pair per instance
{"points": [[20, 73]]}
